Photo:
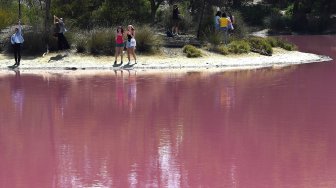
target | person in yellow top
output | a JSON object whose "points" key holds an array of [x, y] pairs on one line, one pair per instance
{"points": [[224, 23]]}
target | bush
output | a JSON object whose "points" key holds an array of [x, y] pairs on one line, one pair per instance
{"points": [[240, 28], [255, 14], [7, 17], [165, 19], [222, 49], [101, 41], [214, 37], [192, 51], [277, 42], [239, 47], [81, 42], [147, 40], [277, 22], [260, 45]]}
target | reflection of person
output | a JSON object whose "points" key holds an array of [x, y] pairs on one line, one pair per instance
{"points": [[176, 20], [132, 91], [119, 39], [131, 43], [17, 40], [60, 30], [17, 93]]}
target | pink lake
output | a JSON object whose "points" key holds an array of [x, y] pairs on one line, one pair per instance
{"points": [[257, 129]]}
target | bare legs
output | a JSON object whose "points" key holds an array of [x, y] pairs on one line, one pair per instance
{"points": [[131, 51], [118, 51]]}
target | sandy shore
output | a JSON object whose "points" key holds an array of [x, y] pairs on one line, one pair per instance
{"points": [[171, 60]]}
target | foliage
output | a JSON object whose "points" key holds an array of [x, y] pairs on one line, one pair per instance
{"points": [[6, 18], [239, 47], [81, 42], [101, 41], [212, 36], [165, 15], [240, 27], [192, 51], [222, 49], [255, 14], [277, 42], [260, 45], [147, 40], [278, 22]]}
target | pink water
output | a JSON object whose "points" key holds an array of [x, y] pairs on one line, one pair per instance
{"points": [[249, 129]]}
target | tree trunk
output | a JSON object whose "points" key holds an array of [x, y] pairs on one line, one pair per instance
{"points": [[19, 9], [46, 23], [201, 20]]}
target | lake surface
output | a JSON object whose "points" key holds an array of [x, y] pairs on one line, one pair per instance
{"points": [[257, 129]]}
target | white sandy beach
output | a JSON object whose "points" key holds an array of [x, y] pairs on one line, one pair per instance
{"points": [[167, 61]]}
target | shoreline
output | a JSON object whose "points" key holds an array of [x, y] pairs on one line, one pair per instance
{"points": [[167, 61]]}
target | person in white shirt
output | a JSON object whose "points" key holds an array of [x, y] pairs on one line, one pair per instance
{"points": [[60, 30], [17, 40]]}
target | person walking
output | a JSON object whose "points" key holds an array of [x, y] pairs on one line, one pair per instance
{"points": [[59, 31], [176, 20], [17, 40], [119, 39], [224, 23], [131, 43]]}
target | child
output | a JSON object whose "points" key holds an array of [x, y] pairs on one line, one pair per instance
{"points": [[119, 39], [131, 43]]}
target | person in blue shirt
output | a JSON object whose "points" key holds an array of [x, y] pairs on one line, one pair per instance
{"points": [[17, 40]]}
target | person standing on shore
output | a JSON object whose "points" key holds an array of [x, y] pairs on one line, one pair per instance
{"points": [[217, 17], [17, 40], [131, 43], [60, 30], [176, 20], [224, 23], [119, 39]]}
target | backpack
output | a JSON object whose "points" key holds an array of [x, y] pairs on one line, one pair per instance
{"points": [[169, 34]]}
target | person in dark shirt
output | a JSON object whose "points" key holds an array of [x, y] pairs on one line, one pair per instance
{"points": [[60, 30]]}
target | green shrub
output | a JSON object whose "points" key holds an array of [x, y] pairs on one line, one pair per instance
{"points": [[213, 37], [7, 17], [192, 51], [277, 42], [147, 40], [101, 41], [240, 27], [81, 42], [222, 49], [165, 19], [239, 47], [260, 45]]}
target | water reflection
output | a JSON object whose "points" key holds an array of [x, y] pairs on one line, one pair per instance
{"points": [[264, 128]]}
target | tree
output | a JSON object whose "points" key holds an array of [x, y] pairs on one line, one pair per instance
{"points": [[155, 4]]}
